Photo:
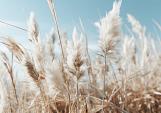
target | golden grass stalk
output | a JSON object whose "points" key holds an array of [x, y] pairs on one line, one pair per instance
{"points": [[53, 12], [109, 29]]}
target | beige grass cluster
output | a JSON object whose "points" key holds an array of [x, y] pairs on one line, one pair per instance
{"points": [[122, 77]]}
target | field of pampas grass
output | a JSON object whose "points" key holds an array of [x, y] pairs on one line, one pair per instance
{"points": [[124, 76]]}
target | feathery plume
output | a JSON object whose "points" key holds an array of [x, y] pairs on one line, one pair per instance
{"points": [[136, 26], [32, 71], [54, 78], [129, 48], [33, 30], [76, 53], [49, 46], [109, 29], [17, 49]]}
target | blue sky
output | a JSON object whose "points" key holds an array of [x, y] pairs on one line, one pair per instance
{"points": [[69, 12]]}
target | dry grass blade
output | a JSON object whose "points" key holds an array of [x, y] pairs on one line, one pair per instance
{"points": [[12, 25], [9, 68]]}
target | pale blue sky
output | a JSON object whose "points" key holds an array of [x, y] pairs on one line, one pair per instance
{"points": [[69, 12]]}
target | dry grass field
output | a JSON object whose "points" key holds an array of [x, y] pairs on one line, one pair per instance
{"points": [[124, 75]]}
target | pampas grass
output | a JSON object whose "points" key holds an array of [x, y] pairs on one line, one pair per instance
{"points": [[123, 76]]}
